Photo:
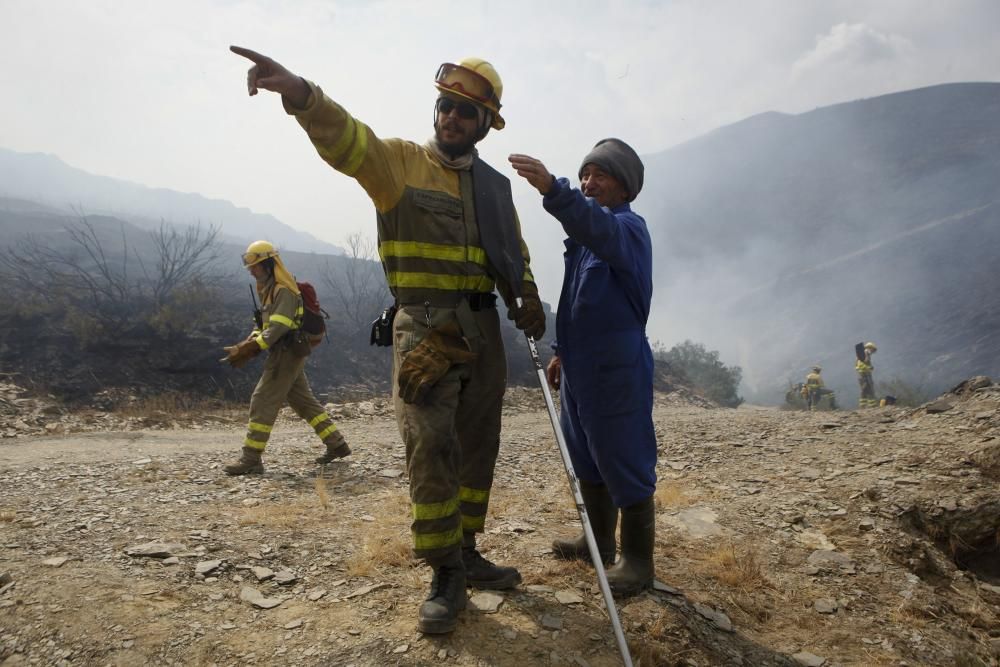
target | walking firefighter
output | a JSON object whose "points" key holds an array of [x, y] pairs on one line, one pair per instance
{"points": [[278, 331]]}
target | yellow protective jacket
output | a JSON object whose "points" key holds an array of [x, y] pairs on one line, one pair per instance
{"points": [[281, 311], [427, 231], [814, 381], [866, 365]]}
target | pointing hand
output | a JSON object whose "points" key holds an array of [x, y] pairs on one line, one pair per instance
{"points": [[270, 75], [533, 171]]}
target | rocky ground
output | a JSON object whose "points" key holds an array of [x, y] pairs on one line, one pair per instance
{"points": [[783, 538]]}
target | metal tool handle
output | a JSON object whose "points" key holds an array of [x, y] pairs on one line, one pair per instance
{"points": [[574, 484]]}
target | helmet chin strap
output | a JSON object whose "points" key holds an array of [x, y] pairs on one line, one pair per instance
{"points": [[485, 124]]}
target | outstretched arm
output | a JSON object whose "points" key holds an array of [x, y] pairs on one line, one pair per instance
{"points": [[271, 75], [345, 143]]}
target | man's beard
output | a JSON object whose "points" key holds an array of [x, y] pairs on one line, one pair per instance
{"points": [[454, 149]]}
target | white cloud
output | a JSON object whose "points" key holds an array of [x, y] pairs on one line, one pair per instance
{"points": [[852, 44]]}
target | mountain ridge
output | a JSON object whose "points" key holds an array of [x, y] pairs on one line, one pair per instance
{"points": [[748, 220], [70, 188]]}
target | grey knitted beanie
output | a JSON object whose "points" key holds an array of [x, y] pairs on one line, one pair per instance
{"points": [[618, 159]]}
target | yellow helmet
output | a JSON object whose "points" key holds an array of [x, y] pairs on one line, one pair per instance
{"points": [[871, 346], [257, 252], [475, 80]]}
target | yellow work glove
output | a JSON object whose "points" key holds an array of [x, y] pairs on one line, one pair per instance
{"points": [[530, 317], [238, 355], [428, 362]]}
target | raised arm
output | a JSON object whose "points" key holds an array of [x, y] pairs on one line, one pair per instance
{"points": [[270, 75]]}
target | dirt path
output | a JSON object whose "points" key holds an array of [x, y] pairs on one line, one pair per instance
{"points": [[779, 534]]}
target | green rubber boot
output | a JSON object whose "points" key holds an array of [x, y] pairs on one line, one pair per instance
{"points": [[633, 572], [603, 517]]}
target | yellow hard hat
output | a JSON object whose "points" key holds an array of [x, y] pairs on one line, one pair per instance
{"points": [[870, 346], [257, 252], [475, 80]]}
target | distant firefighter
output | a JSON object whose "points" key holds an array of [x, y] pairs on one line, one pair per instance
{"points": [[813, 388], [864, 368]]}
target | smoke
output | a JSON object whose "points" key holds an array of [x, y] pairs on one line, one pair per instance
{"points": [[783, 240], [851, 43]]}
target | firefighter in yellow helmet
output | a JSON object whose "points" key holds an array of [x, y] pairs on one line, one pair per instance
{"points": [[448, 236], [813, 387], [284, 376], [865, 369]]}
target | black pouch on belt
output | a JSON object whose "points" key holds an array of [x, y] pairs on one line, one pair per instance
{"points": [[381, 334], [298, 342]]}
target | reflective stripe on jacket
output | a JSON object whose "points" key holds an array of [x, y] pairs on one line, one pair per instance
{"points": [[282, 312]]}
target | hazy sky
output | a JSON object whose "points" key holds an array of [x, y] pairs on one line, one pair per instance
{"points": [[148, 92]]}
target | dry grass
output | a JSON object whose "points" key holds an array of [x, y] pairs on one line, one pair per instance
{"points": [[738, 567], [911, 614], [385, 542], [383, 545], [322, 493], [171, 405], [275, 515], [563, 573], [671, 494]]}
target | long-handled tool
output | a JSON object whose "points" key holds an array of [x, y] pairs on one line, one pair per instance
{"points": [[574, 484]]}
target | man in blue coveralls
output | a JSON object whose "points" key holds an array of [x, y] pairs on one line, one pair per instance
{"points": [[603, 364]]}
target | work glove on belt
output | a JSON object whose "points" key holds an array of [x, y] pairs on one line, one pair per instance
{"points": [[238, 355], [428, 362], [530, 317]]}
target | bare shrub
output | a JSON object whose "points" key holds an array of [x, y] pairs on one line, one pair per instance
{"points": [[358, 283], [98, 282]]}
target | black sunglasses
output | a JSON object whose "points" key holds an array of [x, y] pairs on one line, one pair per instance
{"points": [[466, 110]]}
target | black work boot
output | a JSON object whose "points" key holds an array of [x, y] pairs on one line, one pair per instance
{"points": [[634, 570], [439, 612], [336, 448], [249, 463], [481, 573], [603, 517]]}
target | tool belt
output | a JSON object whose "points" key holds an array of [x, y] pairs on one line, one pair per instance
{"points": [[381, 327], [477, 300]]}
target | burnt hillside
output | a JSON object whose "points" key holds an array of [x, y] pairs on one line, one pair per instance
{"points": [[76, 339], [785, 239]]}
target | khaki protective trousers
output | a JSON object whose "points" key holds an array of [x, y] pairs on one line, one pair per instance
{"points": [[867, 384], [284, 379], [453, 437]]}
